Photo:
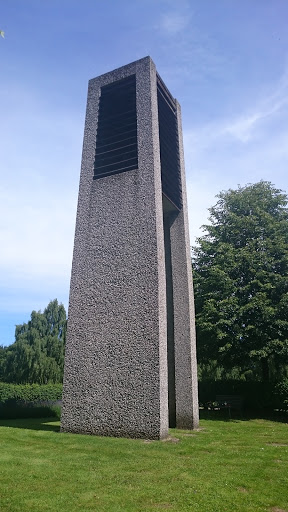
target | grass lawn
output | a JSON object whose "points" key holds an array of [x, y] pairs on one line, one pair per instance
{"points": [[226, 466]]}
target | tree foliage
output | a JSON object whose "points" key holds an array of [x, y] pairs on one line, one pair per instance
{"points": [[241, 287], [37, 355]]}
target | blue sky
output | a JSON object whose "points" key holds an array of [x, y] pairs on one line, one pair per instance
{"points": [[226, 61]]}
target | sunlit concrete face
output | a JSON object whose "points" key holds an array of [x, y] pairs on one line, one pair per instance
{"points": [[130, 363]]}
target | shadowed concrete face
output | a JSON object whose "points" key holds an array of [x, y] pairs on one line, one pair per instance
{"points": [[131, 335]]}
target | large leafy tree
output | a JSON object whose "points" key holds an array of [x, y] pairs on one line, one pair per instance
{"points": [[37, 356], [241, 282]]}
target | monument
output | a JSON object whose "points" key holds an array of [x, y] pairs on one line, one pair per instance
{"points": [[130, 363]]}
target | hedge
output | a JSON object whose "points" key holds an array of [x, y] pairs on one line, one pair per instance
{"points": [[256, 395], [30, 392], [29, 400], [11, 412]]}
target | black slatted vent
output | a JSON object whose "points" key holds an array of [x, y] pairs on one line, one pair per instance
{"points": [[169, 146], [116, 142]]}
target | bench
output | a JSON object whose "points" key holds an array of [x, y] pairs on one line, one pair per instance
{"points": [[229, 402]]}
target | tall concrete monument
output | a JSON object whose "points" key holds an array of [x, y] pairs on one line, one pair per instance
{"points": [[130, 364]]}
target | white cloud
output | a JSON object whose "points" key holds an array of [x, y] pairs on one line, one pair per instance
{"points": [[245, 126], [242, 150], [34, 235], [40, 163], [174, 22]]}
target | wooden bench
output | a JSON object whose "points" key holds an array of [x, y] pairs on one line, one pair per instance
{"points": [[230, 402]]}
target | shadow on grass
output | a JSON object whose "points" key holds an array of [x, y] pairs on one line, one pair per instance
{"points": [[32, 424], [47, 425], [246, 415]]}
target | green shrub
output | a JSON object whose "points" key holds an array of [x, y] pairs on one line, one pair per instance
{"points": [[29, 400], [281, 391], [10, 412], [256, 395], [30, 392]]}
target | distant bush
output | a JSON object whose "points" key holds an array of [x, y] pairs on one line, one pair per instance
{"points": [[30, 392], [256, 395], [29, 400], [281, 390], [18, 411]]}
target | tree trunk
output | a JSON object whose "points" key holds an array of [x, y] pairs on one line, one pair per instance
{"points": [[265, 370]]}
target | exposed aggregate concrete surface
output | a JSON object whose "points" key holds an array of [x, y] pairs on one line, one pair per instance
{"points": [[115, 378]]}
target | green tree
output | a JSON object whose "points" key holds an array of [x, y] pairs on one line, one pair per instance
{"points": [[241, 286], [37, 356], [2, 361]]}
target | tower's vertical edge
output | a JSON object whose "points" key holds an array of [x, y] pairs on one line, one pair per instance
{"points": [[115, 379], [186, 384], [151, 140]]}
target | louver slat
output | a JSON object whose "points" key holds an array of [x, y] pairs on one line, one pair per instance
{"points": [[116, 142], [169, 147]]}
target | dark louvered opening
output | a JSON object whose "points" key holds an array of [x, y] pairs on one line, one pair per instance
{"points": [[116, 142], [169, 147]]}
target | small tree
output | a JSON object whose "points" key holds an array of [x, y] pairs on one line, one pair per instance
{"points": [[241, 286]]}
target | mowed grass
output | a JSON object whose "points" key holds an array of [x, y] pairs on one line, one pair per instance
{"points": [[226, 466]]}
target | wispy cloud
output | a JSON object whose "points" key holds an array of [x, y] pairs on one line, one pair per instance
{"points": [[186, 51], [245, 126], [40, 155], [174, 22], [247, 148]]}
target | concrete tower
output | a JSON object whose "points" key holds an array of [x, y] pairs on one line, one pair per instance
{"points": [[130, 364]]}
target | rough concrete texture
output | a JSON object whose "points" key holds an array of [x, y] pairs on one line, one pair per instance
{"points": [[186, 382], [115, 378]]}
